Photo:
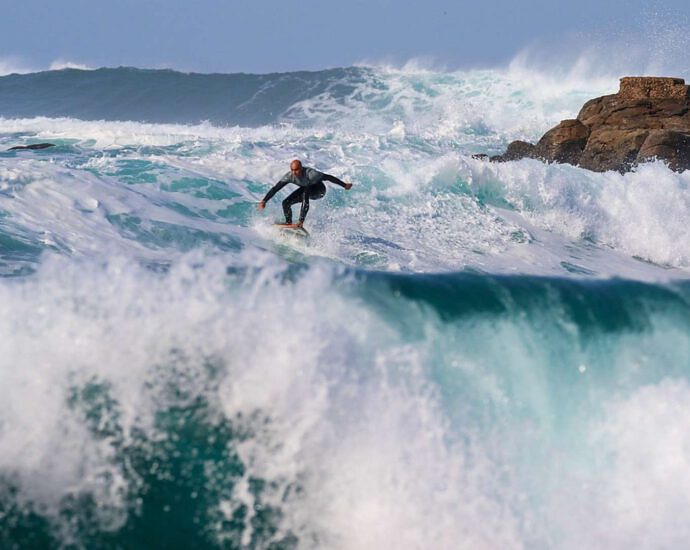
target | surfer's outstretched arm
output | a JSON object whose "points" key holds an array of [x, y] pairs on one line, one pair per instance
{"points": [[272, 191], [333, 179]]}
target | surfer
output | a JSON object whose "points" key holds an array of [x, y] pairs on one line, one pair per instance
{"points": [[310, 186]]}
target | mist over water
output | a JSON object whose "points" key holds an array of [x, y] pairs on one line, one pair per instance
{"points": [[462, 355]]}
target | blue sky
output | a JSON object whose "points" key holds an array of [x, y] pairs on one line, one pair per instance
{"points": [[269, 35]]}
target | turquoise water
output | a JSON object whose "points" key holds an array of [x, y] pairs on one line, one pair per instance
{"points": [[462, 355]]}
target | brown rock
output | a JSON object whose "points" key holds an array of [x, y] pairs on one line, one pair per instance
{"points": [[645, 113], [612, 149], [596, 110], [516, 150], [649, 118], [673, 147], [563, 143], [652, 87]]}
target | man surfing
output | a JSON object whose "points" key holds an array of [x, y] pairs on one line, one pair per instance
{"points": [[310, 186]]}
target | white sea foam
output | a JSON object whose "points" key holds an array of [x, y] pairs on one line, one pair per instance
{"points": [[351, 431], [465, 106], [642, 479], [16, 65], [640, 213], [350, 417], [109, 134], [428, 209], [60, 64], [13, 65], [71, 210]]}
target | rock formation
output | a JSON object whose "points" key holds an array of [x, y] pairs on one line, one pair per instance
{"points": [[649, 118], [33, 147]]}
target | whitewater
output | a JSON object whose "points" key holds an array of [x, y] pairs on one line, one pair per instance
{"points": [[463, 354]]}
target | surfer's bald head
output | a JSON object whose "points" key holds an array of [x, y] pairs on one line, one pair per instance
{"points": [[296, 167]]}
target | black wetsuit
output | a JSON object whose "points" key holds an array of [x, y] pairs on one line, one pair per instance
{"points": [[310, 187]]}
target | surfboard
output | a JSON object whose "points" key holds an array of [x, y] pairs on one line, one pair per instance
{"points": [[291, 230]]}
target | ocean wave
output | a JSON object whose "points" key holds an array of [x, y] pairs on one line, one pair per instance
{"points": [[157, 190], [462, 353], [445, 104], [382, 407]]}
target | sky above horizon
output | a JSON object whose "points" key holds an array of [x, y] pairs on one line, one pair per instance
{"points": [[262, 36]]}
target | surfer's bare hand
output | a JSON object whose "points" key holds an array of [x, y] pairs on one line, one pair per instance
{"points": [[262, 205], [348, 185]]}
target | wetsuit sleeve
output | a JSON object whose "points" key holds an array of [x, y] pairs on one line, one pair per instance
{"points": [[333, 179], [277, 187]]}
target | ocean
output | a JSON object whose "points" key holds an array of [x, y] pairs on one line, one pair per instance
{"points": [[462, 355]]}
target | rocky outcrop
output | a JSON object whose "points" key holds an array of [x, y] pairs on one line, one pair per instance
{"points": [[34, 146], [649, 118]]}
